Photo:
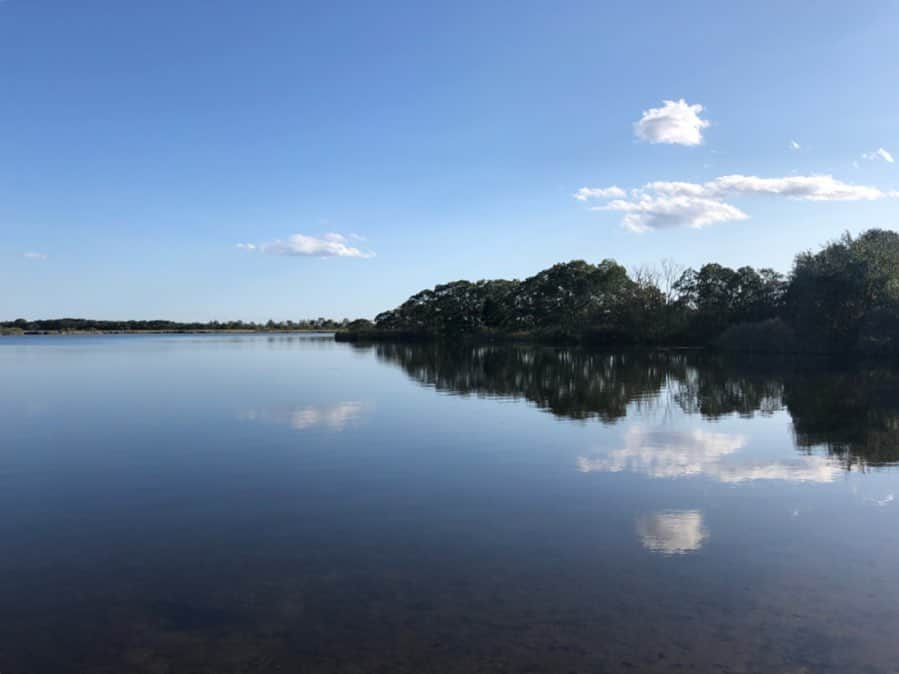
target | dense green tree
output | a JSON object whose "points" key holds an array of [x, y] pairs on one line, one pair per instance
{"points": [[717, 297], [832, 291]]}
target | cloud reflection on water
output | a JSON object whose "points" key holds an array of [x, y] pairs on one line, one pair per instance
{"points": [[334, 417], [659, 453], [672, 532]]}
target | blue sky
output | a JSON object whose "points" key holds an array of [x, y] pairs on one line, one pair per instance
{"points": [[403, 145]]}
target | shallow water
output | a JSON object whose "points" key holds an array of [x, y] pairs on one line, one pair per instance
{"points": [[223, 504]]}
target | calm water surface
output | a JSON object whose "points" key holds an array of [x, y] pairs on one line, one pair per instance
{"points": [[210, 504]]}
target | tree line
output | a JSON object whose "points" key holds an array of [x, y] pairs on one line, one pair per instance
{"points": [[844, 297], [22, 325]]}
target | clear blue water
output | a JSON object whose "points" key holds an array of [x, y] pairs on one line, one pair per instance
{"points": [[291, 504]]}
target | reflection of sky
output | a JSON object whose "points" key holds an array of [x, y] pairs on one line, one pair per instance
{"points": [[662, 453], [331, 417], [672, 532]]}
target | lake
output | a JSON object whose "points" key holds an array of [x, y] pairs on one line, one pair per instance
{"points": [[285, 503]]}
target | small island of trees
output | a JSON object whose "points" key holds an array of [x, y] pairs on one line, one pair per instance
{"points": [[842, 298]]}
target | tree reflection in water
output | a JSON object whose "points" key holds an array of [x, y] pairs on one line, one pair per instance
{"points": [[851, 412]]}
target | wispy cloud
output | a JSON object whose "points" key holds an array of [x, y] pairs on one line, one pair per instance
{"points": [[879, 155], [586, 193], [676, 122], [662, 204], [33, 255], [302, 245]]}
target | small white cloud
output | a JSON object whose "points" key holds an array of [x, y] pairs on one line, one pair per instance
{"points": [[32, 255], [661, 204], [879, 154], [613, 192], [331, 244], [795, 146], [676, 122], [659, 212]]}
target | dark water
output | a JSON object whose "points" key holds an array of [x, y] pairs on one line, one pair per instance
{"points": [[288, 504]]}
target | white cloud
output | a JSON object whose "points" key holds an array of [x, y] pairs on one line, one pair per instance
{"points": [[809, 188], [879, 153], [795, 146], [33, 255], [599, 193], [301, 245], [672, 532], [650, 212], [662, 204], [677, 454], [676, 122], [330, 245]]}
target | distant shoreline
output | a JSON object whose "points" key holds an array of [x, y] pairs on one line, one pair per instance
{"points": [[27, 333]]}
